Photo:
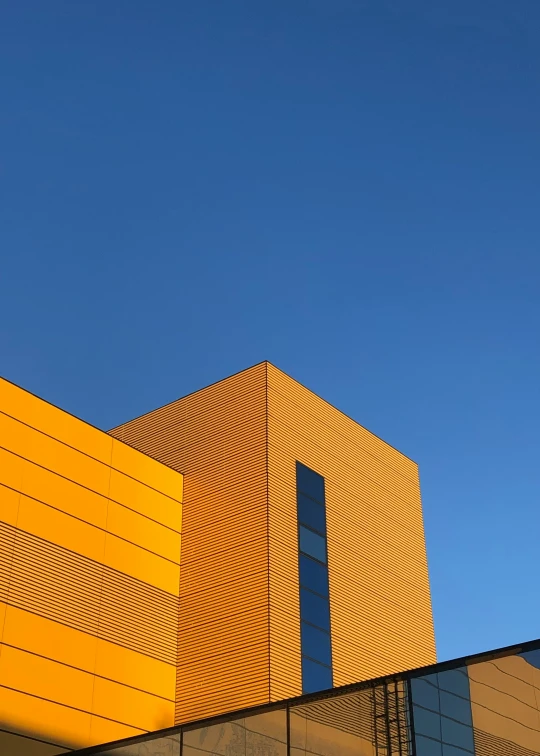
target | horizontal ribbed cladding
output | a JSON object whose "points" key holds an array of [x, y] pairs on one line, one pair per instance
{"points": [[89, 570], [381, 617], [217, 439], [286, 679], [63, 586], [7, 541]]}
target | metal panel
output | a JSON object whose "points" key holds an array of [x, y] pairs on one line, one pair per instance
{"points": [[379, 591], [89, 582], [217, 439]]}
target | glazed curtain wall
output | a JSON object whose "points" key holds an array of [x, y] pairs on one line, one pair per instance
{"points": [[89, 575], [486, 708]]}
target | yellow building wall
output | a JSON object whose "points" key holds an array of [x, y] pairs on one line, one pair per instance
{"points": [[239, 633], [217, 438], [89, 578], [380, 606]]}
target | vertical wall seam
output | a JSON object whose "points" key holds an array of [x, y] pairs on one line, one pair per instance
{"points": [[12, 557], [268, 536], [178, 609], [99, 611]]}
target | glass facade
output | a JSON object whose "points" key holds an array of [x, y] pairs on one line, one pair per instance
{"points": [[442, 715], [486, 706], [315, 637]]}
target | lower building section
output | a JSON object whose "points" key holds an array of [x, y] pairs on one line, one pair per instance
{"points": [[488, 705]]}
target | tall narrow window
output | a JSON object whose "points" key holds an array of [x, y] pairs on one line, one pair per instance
{"points": [[315, 638]]}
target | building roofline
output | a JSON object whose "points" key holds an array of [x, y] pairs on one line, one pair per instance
{"points": [[80, 420], [341, 412], [245, 370], [229, 716], [186, 396]]}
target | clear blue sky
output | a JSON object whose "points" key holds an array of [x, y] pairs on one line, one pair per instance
{"points": [[349, 189]]}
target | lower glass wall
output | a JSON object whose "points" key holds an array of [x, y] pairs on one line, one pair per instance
{"points": [[163, 746], [441, 714], [258, 734], [341, 725], [488, 707], [505, 701]]}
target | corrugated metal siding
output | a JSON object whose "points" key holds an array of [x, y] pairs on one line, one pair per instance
{"points": [[89, 570], [63, 586], [217, 439], [379, 590]]}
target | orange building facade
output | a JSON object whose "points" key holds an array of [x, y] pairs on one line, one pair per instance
{"points": [[242, 545]]}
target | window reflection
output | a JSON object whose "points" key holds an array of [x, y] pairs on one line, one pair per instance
{"points": [[313, 575], [314, 609], [340, 726], [316, 651], [316, 644], [309, 482], [264, 734], [164, 746], [455, 707], [312, 544], [315, 676], [425, 693], [450, 750], [457, 734], [455, 681], [427, 746], [505, 700], [500, 717], [532, 657], [427, 723], [311, 513]]}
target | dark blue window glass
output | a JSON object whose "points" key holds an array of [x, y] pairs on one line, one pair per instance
{"points": [[427, 723], [313, 575], [425, 694], [315, 677], [311, 514], [450, 750], [533, 657], [312, 544], [309, 482], [427, 747], [457, 734], [455, 681], [314, 609], [455, 707], [316, 644]]}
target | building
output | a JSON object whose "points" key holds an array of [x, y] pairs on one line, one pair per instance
{"points": [[484, 705], [240, 547]]}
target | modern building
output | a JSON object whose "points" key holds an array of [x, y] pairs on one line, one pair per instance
{"points": [[240, 547], [486, 705]]}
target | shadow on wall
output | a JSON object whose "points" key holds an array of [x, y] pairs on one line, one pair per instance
{"points": [[26, 742]]}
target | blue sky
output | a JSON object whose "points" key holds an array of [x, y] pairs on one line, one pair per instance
{"points": [[349, 189]]}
